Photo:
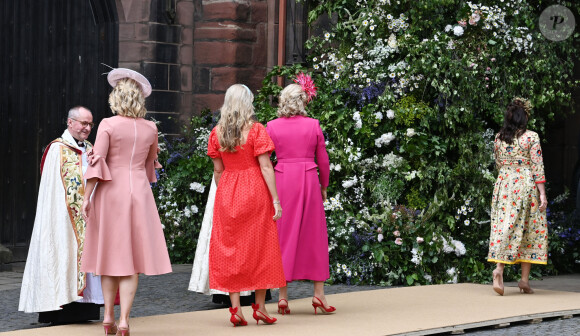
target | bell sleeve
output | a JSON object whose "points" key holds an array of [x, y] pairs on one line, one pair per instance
{"points": [[537, 160], [322, 157], [97, 156], [213, 145], [262, 142], [151, 162]]}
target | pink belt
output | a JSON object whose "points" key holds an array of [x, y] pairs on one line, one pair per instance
{"points": [[295, 160]]}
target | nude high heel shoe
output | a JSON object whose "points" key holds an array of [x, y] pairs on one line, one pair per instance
{"points": [[525, 287], [498, 282]]}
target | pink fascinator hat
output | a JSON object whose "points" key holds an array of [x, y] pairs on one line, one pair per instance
{"points": [[117, 74], [307, 84]]}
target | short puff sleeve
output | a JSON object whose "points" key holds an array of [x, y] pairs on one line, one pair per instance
{"points": [[213, 145], [262, 142], [97, 156]]}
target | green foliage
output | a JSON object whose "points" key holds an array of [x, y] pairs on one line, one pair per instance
{"points": [[183, 185], [410, 102]]}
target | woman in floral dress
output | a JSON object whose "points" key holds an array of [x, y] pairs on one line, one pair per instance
{"points": [[519, 231]]}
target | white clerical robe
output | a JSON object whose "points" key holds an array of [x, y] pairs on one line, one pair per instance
{"points": [[50, 275]]}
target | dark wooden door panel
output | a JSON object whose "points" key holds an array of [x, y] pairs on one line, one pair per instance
{"points": [[50, 60]]}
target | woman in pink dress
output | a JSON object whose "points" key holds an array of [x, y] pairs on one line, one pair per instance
{"points": [[302, 228], [124, 236]]}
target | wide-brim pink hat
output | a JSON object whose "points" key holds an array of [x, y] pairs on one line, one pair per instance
{"points": [[117, 74]]}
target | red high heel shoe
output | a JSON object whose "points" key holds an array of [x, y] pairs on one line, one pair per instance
{"points": [[327, 310], [236, 319], [110, 328], [262, 316], [283, 307]]}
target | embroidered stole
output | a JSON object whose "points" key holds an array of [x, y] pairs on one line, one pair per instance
{"points": [[71, 172]]}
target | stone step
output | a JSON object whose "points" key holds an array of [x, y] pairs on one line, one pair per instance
{"points": [[5, 258]]}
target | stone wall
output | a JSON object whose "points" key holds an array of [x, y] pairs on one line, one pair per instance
{"points": [[156, 39], [193, 50], [230, 46]]}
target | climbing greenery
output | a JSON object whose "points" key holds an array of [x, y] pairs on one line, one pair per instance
{"points": [[410, 96]]}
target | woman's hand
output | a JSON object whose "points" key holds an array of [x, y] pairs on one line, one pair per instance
{"points": [[543, 202], [86, 208], [278, 209], [323, 190]]}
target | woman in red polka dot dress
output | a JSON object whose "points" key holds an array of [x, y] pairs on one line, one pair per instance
{"points": [[244, 251]]}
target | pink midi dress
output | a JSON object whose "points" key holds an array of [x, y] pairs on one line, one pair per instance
{"points": [[302, 229], [124, 235]]}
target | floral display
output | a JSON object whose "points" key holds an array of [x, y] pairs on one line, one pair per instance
{"points": [[410, 96]]}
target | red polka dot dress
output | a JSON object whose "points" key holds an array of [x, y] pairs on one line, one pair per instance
{"points": [[244, 250]]}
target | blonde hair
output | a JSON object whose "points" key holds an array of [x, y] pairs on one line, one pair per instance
{"points": [[127, 99], [237, 115], [292, 101]]}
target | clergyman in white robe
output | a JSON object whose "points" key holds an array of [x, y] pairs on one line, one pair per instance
{"points": [[51, 277]]}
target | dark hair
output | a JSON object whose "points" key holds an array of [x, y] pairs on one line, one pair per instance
{"points": [[515, 121]]}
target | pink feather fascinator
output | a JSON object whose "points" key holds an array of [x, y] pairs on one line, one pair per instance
{"points": [[307, 85]]}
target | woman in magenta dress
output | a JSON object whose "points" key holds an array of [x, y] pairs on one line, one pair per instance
{"points": [[302, 230], [124, 236], [244, 251]]}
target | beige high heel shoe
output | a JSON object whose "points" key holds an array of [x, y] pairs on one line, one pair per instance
{"points": [[498, 282], [525, 287]]}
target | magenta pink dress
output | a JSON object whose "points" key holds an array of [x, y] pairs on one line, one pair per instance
{"points": [[302, 228], [124, 235]]}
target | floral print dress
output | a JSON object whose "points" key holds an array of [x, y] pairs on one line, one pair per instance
{"points": [[519, 231]]}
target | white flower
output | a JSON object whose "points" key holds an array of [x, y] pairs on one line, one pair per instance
{"points": [[365, 23], [372, 27], [428, 277], [326, 36], [390, 114], [379, 115], [417, 256], [458, 30], [194, 209], [380, 237], [448, 28], [200, 188], [385, 139], [420, 240], [466, 222], [451, 271], [350, 183], [459, 248], [410, 132], [337, 167]]}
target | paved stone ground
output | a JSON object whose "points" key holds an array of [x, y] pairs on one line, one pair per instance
{"points": [[168, 294]]}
